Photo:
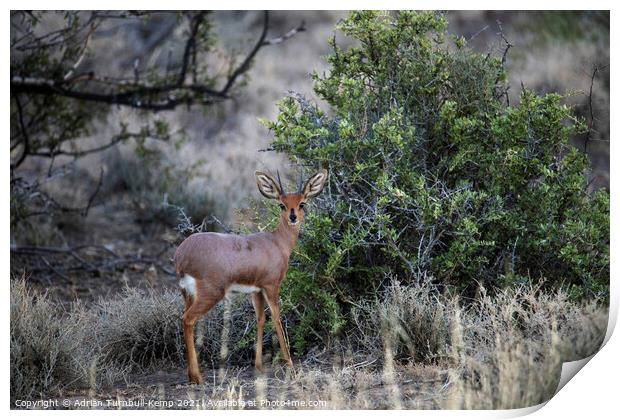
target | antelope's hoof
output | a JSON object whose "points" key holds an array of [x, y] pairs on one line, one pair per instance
{"points": [[195, 378]]}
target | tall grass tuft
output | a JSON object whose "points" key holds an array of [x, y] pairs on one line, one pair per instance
{"points": [[51, 350], [501, 351]]}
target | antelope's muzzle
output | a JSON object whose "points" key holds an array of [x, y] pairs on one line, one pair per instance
{"points": [[292, 217]]}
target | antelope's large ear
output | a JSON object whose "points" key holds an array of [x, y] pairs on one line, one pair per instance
{"points": [[267, 185], [314, 185]]}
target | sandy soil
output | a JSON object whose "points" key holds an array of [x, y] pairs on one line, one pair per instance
{"points": [[245, 388]]}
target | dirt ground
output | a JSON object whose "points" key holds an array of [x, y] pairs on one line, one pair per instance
{"points": [[420, 387]]}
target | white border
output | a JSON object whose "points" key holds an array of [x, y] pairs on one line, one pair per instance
{"points": [[593, 394]]}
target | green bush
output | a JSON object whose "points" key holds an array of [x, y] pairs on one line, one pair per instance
{"points": [[431, 171]]}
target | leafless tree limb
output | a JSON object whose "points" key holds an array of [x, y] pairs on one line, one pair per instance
{"points": [[508, 45], [45, 203], [102, 260], [25, 138], [119, 138], [588, 138], [190, 45], [82, 52], [30, 41], [245, 65], [142, 96], [288, 35]]}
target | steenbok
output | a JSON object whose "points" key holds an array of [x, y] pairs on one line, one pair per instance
{"points": [[210, 265]]}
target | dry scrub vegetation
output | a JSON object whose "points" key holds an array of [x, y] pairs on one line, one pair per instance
{"points": [[408, 349]]}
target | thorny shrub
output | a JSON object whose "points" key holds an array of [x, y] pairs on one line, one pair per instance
{"points": [[431, 171]]}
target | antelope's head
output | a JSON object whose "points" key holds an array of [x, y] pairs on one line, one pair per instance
{"points": [[291, 204]]}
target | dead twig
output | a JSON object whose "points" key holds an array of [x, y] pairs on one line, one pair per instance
{"points": [[289, 34], [22, 128], [102, 260], [588, 138], [508, 45]]}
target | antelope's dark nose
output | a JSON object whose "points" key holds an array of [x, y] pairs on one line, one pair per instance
{"points": [[292, 217]]}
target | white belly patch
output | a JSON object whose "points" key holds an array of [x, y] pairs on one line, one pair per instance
{"points": [[242, 288], [188, 283]]}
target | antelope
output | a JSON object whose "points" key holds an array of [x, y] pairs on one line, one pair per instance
{"points": [[210, 265]]}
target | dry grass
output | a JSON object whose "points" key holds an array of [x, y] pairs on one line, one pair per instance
{"points": [[504, 351], [142, 329], [50, 348], [54, 348], [412, 348], [510, 349]]}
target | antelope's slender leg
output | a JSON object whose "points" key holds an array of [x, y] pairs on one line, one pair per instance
{"points": [[274, 307], [259, 307], [192, 361], [191, 315]]}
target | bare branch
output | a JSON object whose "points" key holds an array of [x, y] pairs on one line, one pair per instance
{"points": [[44, 203], [471, 38], [141, 96], [245, 65], [591, 109], [54, 38], [508, 45], [79, 153], [190, 45], [82, 52], [82, 210], [289, 34], [91, 199], [105, 260], [22, 127]]}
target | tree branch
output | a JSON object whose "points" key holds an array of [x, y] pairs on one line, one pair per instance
{"points": [[141, 96], [154, 97], [106, 259], [190, 45], [591, 110], [19, 187], [245, 65], [22, 127], [79, 153], [289, 34], [508, 45]]}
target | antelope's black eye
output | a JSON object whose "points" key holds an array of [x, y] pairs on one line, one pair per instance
{"points": [[302, 205], [282, 206]]}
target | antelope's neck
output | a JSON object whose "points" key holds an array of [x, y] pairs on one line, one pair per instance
{"points": [[286, 236]]}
